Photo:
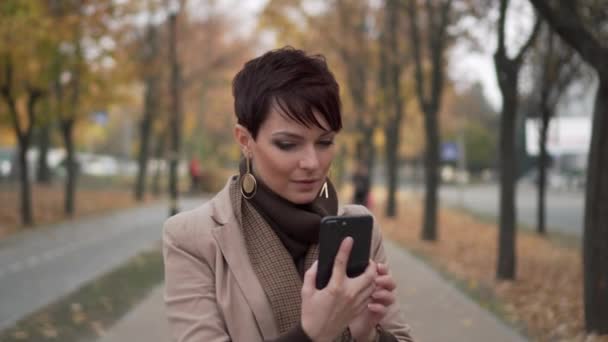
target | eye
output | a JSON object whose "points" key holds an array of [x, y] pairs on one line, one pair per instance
{"points": [[284, 145], [326, 143]]}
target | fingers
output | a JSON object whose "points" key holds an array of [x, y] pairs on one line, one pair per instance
{"points": [[382, 268], [383, 297], [386, 282], [367, 277], [363, 299], [339, 270], [309, 279], [377, 309], [363, 286]]}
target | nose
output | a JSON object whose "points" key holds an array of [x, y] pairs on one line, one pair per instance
{"points": [[309, 160]]}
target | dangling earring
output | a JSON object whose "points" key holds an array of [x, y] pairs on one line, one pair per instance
{"points": [[325, 188], [249, 185]]}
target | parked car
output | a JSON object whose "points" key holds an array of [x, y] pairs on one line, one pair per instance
{"points": [[6, 162], [557, 180]]}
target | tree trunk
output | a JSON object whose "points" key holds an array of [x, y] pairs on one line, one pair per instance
{"points": [[158, 155], [145, 132], [27, 217], [392, 166], [142, 161], [391, 77], [507, 72], [43, 174], [71, 167], [150, 109], [432, 163], [543, 162], [595, 240], [175, 115], [23, 136]]}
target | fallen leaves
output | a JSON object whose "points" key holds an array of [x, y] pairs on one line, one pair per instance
{"points": [[546, 297], [47, 203]]}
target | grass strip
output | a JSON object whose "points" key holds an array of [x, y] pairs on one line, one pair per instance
{"points": [[89, 311]]}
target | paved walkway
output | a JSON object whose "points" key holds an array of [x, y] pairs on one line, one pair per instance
{"points": [[435, 309], [40, 265]]}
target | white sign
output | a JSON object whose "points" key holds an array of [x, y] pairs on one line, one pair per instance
{"points": [[566, 135]]}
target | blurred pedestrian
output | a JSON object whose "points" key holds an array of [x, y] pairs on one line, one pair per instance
{"points": [[195, 174], [361, 184]]}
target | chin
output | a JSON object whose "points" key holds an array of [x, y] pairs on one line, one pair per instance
{"points": [[302, 198]]}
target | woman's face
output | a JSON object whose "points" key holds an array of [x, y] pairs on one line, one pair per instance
{"points": [[291, 159]]}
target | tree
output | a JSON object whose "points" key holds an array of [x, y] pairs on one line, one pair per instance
{"points": [[390, 80], [476, 122], [151, 75], [353, 44], [582, 31], [43, 140], [507, 74], [557, 68], [428, 92], [175, 120], [79, 80], [23, 73]]}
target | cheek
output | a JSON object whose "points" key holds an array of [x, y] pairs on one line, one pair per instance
{"points": [[326, 157], [274, 166]]}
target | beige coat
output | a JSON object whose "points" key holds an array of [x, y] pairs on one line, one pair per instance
{"points": [[212, 292]]}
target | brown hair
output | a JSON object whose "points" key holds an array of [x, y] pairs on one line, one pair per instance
{"points": [[297, 83]]}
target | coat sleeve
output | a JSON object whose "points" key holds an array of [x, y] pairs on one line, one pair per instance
{"points": [[393, 322], [190, 300]]}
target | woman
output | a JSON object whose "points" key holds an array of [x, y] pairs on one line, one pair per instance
{"points": [[241, 267]]}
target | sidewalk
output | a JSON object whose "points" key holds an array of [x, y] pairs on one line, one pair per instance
{"points": [[434, 308]]}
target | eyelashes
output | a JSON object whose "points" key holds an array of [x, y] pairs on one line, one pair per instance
{"points": [[288, 146], [284, 146]]}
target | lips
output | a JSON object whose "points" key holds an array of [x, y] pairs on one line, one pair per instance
{"points": [[306, 181]]}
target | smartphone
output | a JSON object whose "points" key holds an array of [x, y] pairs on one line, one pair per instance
{"points": [[334, 229]]}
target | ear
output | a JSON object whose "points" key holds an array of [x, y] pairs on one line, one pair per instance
{"points": [[243, 138]]}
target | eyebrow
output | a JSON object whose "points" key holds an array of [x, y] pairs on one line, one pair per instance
{"points": [[297, 136]]}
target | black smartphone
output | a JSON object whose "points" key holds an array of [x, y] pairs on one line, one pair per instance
{"points": [[334, 229]]}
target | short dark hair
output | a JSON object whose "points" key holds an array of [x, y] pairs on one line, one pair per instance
{"points": [[299, 84]]}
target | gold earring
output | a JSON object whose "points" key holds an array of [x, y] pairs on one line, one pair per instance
{"points": [[249, 185], [325, 189]]}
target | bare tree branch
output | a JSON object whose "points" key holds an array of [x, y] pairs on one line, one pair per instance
{"points": [[437, 51], [570, 28], [415, 36], [530, 41], [501, 25]]}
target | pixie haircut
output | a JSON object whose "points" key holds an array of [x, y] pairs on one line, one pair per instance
{"points": [[294, 83]]}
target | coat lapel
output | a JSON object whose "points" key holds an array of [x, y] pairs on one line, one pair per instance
{"points": [[230, 240]]}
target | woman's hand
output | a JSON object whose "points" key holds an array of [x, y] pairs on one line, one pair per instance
{"points": [[327, 312], [362, 328]]}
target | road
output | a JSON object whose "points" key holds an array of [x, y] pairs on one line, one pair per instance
{"points": [[41, 265], [564, 208]]}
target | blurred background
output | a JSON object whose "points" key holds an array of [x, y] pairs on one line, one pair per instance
{"points": [[475, 130]]}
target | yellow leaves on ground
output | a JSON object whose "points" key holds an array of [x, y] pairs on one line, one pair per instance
{"points": [[78, 315], [48, 204], [21, 335], [547, 295]]}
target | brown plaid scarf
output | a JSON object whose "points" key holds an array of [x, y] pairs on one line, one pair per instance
{"points": [[273, 264]]}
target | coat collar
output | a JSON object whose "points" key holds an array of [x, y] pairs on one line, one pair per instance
{"points": [[230, 240]]}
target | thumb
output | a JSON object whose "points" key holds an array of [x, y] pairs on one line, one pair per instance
{"points": [[310, 278]]}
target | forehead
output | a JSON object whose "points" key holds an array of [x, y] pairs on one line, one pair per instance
{"points": [[277, 121]]}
